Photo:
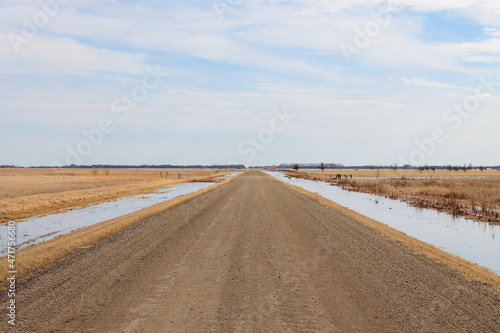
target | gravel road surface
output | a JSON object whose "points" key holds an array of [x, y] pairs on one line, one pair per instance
{"points": [[253, 255]]}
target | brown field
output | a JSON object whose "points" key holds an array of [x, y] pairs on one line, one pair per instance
{"points": [[466, 194], [30, 192]]}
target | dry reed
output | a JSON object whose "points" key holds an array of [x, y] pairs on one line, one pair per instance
{"points": [[472, 197]]}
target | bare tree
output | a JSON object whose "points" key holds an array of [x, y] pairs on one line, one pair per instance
{"points": [[433, 168], [322, 166], [394, 167], [296, 167]]}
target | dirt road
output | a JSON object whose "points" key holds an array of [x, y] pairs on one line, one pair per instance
{"points": [[251, 256]]}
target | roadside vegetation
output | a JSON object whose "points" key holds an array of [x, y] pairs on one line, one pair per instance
{"points": [[375, 172], [30, 192], [473, 194]]}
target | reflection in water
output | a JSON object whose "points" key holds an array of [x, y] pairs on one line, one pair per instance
{"points": [[229, 175], [478, 242], [39, 229]]}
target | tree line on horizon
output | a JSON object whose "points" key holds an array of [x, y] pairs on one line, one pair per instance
{"points": [[143, 166], [322, 166]]}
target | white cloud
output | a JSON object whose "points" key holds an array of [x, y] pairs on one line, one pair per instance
{"points": [[431, 5], [463, 49], [424, 83], [484, 51], [288, 53], [493, 32], [483, 59], [248, 35], [66, 56]]}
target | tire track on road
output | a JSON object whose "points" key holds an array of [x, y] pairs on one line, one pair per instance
{"points": [[253, 255]]}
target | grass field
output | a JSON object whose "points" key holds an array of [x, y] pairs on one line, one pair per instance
{"points": [[474, 194], [30, 192]]}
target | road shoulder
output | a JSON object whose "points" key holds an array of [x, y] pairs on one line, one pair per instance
{"points": [[470, 271], [40, 256]]}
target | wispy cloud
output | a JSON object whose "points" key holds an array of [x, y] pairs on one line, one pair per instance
{"points": [[424, 83], [49, 55], [471, 51], [226, 76]]}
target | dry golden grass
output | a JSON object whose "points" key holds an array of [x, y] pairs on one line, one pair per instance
{"points": [[476, 198], [30, 192], [23, 182], [472, 197], [40, 256], [470, 271]]}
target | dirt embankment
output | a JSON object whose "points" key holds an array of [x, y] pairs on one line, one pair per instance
{"points": [[252, 255]]}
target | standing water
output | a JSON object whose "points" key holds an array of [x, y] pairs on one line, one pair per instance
{"points": [[39, 229], [478, 242]]}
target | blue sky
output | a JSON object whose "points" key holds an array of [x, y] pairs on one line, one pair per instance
{"points": [[423, 85]]}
